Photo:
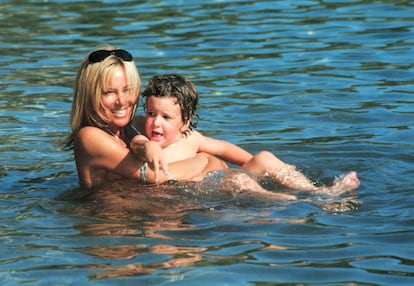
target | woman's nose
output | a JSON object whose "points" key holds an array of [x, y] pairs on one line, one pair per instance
{"points": [[121, 97]]}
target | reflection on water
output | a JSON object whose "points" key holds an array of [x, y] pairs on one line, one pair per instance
{"points": [[325, 85], [166, 212]]}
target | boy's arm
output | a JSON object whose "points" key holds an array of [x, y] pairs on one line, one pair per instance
{"points": [[225, 150]]}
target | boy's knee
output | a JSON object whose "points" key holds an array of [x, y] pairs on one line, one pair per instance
{"points": [[264, 156], [268, 161]]}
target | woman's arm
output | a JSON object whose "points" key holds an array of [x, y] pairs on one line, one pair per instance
{"points": [[97, 152], [100, 156]]}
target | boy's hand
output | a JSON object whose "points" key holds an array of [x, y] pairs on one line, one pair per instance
{"points": [[155, 157], [151, 153]]}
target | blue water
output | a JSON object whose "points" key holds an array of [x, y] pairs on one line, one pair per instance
{"points": [[325, 85]]}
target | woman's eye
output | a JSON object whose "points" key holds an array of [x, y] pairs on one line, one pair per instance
{"points": [[108, 92]]}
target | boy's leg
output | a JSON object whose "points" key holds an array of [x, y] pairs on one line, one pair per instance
{"points": [[265, 163]]}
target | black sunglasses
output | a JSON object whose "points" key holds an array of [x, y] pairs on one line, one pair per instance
{"points": [[100, 55]]}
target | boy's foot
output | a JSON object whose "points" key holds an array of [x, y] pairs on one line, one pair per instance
{"points": [[342, 184], [346, 183]]}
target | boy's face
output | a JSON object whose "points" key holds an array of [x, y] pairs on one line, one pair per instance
{"points": [[163, 123]]}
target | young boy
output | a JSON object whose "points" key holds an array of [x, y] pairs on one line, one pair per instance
{"points": [[170, 105]]}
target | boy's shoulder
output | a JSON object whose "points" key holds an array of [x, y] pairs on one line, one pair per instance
{"points": [[193, 135]]}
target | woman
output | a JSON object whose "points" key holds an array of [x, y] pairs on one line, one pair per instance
{"points": [[102, 121]]}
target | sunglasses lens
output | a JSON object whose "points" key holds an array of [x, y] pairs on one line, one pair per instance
{"points": [[125, 55], [100, 55]]}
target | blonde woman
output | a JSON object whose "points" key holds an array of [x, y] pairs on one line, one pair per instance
{"points": [[102, 121]]}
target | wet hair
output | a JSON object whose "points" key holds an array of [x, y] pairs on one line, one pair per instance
{"points": [[177, 86], [91, 80]]}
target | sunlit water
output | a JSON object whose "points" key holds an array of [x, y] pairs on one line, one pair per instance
{"points": [[325, 85]]}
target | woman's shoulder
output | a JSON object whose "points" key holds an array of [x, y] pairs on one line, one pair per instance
{"points": [[92, 136], [92, 140], [90, 131]]}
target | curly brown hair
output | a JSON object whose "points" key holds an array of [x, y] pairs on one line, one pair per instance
{"points": [[177, 86]]}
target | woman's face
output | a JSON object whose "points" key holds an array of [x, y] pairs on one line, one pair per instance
{"points": [[119, 100]]}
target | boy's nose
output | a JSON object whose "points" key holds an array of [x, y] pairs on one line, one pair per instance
{"points": [[157, 120]]}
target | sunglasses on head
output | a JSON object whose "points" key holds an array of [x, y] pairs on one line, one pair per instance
{"points": [[100, 55]]}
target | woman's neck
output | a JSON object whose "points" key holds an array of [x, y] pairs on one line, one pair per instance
{"points": [[117, 133]]}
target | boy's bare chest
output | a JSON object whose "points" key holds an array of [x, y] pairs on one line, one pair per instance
{"points": [[180, 150]]}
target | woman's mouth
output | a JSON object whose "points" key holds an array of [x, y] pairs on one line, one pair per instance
{"points": [[119, 112]]}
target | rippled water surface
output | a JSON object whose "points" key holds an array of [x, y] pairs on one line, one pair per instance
{"points": [[326, 85]]}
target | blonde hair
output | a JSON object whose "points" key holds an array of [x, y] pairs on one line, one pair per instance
{"points": [[91, 81]]}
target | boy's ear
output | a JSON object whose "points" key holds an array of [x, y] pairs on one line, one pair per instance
{"points": [[186, 125]]}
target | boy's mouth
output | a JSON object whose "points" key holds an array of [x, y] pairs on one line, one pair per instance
{"points": [[156, 135]]}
